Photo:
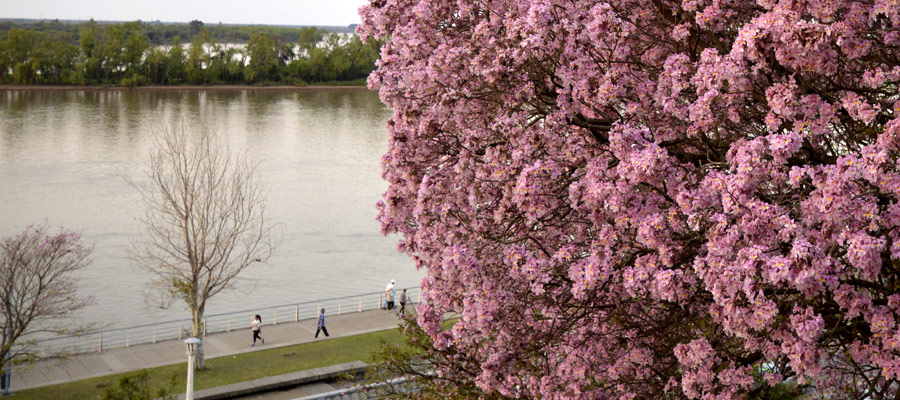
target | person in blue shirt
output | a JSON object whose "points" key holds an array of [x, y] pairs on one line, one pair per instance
{"points": [[321, 323], [389, 295]]}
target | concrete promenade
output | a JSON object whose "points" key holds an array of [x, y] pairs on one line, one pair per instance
{"points": [[136, 357]]}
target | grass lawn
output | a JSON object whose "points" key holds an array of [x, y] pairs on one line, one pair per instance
{"points": [[238, 368]]}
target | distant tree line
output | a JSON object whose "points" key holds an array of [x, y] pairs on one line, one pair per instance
{"points": [[159, 33], [132, 54]]}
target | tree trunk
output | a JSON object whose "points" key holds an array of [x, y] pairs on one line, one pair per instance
{"points": [[197, 332], [199, 360]]}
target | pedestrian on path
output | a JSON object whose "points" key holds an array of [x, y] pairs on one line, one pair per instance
{"points": [[256, 327], [321, 324], [403, 303], [389, 295]]}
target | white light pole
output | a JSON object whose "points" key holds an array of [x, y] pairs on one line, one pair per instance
{"points": [[192, 343]]}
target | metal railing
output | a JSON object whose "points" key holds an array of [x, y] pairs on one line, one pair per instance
{"points": [[215, 323]]}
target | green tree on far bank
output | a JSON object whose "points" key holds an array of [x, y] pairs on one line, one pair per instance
{"points": [[264, 58], [175, 62], [309, 37], [197, 58]]}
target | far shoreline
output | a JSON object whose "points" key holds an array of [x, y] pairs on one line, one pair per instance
{"points": [[179, 87]]}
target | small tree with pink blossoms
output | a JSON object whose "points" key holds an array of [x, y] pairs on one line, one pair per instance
{"points": [[649, 198], [38, 292]]}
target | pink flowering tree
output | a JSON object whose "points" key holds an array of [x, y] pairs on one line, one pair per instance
{"points": [[648, 199], [38, 291]]}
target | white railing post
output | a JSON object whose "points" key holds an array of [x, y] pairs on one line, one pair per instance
{"points": [[127, 339], [101, 343], [297, 314], [360, 303], [316, 311], [275, 317], [339, 308]]}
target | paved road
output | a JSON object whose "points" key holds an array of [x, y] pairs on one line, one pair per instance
{"points": [[173, 351]]}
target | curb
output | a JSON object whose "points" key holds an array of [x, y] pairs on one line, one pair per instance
{"points": [[233, 390]]}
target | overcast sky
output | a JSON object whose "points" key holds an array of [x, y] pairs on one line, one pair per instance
{"points": [[269, 12]]}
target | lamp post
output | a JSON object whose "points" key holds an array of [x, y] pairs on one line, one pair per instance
{"points": [[191, 343], [8, 374]]}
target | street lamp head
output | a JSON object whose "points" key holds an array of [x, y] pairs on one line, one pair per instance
{"points": [[192, 343]]}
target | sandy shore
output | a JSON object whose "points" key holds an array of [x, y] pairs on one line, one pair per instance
{"points": [[189, 87]]}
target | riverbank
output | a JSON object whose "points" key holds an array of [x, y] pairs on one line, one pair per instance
{"points": [[289, 347], [185, 87], [245, 374]]}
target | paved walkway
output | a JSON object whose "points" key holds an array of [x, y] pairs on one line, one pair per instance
{"points": [[173, 351]]}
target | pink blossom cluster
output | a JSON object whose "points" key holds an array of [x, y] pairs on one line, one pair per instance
{"points": [[649, 199]]}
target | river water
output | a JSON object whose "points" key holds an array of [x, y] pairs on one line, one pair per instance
{"points": [[66, 157]]}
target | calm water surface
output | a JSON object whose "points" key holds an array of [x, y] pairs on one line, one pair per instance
{"points": [[65, 157]]}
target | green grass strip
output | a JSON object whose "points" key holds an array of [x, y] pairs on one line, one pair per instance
{"points": [[237, 368]]}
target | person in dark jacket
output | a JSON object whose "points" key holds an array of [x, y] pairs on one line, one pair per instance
{"points": [[403, 302], [321, 325]]}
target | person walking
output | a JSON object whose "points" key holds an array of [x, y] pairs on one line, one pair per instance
{"points": [[321, 324], [403, 303], [256, 327], [389, 295]]}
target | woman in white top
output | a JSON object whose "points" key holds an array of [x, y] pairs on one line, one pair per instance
{"points": [[256, 327], [389, 295]]}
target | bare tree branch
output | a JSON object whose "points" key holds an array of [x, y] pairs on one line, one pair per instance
{"points": [[204, 221]]}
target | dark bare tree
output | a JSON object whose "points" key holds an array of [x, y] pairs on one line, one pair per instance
{"points": [[204, 221]]}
